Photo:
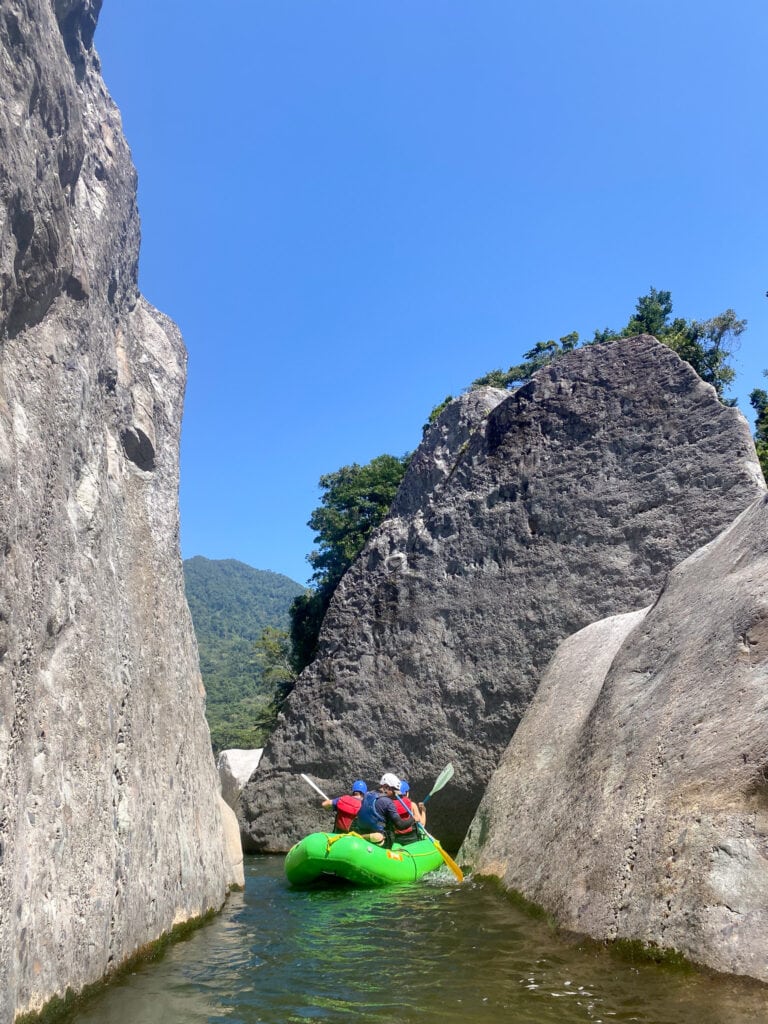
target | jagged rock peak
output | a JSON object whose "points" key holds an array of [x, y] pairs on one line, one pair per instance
{"points": [[77, 21], [569, 501], [443, 445]]}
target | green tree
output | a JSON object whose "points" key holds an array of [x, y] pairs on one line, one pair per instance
{"points": [[542, 354], [246, 726], [274, 658], [602, 337], [272, 652], [706, 344], [436, 412], [652, 314], [355, 500], [759, 400], [307, 612]]}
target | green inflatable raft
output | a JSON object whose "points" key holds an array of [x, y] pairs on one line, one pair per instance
{"points": [[324, 857]]}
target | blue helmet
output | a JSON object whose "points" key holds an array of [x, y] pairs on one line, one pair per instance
{"points": [[358, 786], [404, 786]]}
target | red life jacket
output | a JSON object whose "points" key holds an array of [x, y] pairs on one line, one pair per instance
{"points": [[346, 811], [408, 803], [399, 801]]}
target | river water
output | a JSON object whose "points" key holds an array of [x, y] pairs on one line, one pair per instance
{"points": [[429, 952]]}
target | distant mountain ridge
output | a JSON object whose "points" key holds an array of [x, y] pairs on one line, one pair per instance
{"points": [[231, 603]]}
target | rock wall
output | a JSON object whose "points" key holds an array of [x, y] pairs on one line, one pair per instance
{"points": [[525, 516], [110, 831], [632, 802]]}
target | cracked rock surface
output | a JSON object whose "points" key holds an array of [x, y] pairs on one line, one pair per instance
{"points": [[632, 802], [522, 518], [110, 831]]}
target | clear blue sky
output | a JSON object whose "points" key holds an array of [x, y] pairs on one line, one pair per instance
{"points": [[353, 208]]}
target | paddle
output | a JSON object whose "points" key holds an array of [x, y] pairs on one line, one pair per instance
{"points": [[316, 788], [446, 856], [445, 775]]}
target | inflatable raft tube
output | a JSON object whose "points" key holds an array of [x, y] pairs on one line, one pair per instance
{"points": [[324, 856]]}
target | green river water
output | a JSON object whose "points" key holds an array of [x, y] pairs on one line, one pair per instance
{"points": [[429, 952]]}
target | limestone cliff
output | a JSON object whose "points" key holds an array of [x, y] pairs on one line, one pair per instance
{"points": [[110, 831], [525, 516], [633, 800]]}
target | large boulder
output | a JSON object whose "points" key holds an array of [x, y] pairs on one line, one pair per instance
{"points": [[523, 517], [110, 829], [235, 768], [632, 802]]}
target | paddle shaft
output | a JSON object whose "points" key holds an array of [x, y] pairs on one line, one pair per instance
{"points": [[316, 788]]}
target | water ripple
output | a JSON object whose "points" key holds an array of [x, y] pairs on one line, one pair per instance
{"points": [[417, 954]]}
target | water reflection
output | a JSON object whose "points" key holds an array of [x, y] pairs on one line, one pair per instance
{"points": [[429, 952]]}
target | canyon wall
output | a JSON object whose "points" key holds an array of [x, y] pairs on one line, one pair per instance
{"points": [[110, 829]]}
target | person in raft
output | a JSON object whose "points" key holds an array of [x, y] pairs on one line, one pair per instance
{"points": [[347, 806], [418, 811], [380, 818]]}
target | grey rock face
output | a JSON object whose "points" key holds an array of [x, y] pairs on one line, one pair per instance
{"points": [[569, 500], [633, 802], [444, 443], [232, 844], [110, 831]]}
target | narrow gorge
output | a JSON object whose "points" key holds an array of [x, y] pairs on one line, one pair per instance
{"points": [[567, 601]]}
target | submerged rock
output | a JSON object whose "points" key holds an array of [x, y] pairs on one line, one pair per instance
{"points": [[523, 518], [110, 830], [632, 802]]}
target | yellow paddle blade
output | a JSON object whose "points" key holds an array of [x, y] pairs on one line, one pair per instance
{"points": [[449, 861]]}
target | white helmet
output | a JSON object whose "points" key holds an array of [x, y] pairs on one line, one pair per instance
{"points": [[388, 779]]}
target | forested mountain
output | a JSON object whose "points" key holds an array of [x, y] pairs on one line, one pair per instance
{"points": [[231, 603]]}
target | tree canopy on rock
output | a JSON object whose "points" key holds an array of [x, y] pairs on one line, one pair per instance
{"points": [[355, 500], [759, 400], [706, 344]]}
